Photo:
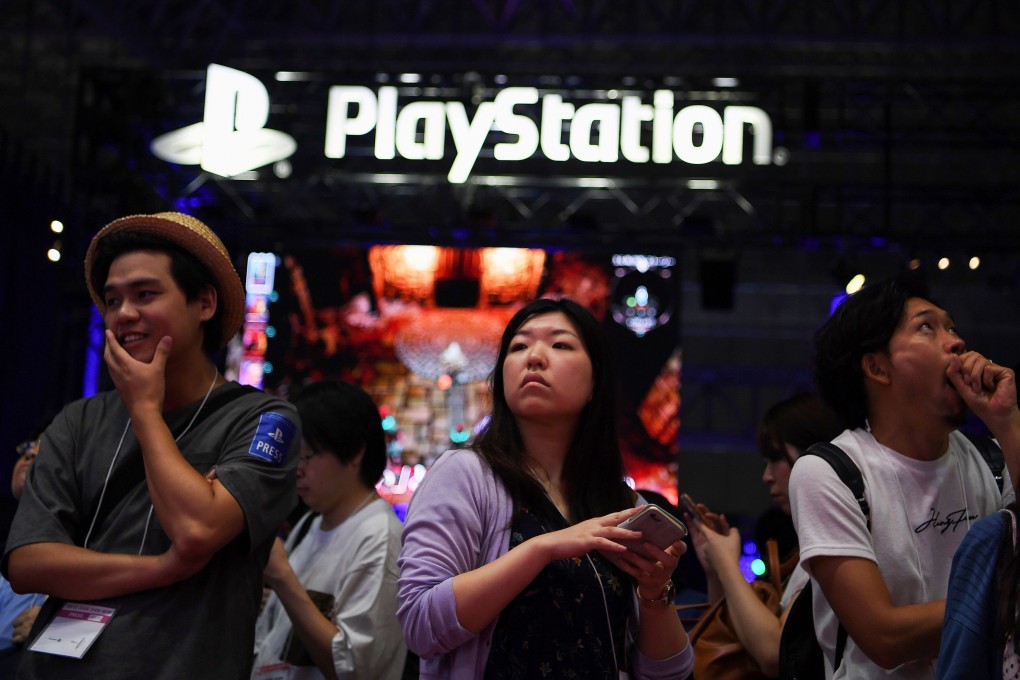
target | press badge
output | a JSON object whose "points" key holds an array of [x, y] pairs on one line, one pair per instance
{"points": [[73, 630], [276, 671], [272, 438]]}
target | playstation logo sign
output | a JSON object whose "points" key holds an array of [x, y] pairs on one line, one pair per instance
{"points": [[233, 138]]}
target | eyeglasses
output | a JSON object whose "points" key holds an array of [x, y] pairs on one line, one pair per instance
{"points": [[25, 447]]}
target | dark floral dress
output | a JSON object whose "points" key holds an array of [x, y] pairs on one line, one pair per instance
{"points": [[558, 626]]}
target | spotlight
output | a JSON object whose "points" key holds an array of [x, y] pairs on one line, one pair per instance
{"points": [[944, 263], [915, 263], [855, 284], [57, 227], [292, 76], [53, 254], [975, 262], [703, 184]]}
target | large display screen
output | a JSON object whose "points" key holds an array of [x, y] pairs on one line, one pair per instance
{"points": [[418, 328]]}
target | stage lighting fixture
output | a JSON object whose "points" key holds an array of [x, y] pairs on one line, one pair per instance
{"points": [[855, 284], [292, 76], [703, 184], [944, 263], [57, 227], [975, 262], [717, 272]]}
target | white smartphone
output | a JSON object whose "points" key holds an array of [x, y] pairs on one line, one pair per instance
{"points": [[657, 527]]}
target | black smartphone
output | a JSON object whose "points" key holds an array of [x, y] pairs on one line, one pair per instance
{"points": [[688, 504], [657, 527]]}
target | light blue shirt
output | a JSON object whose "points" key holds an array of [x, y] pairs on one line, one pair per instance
{"points": [[11, 605]]}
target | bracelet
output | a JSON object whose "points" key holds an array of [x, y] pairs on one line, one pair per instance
{"points": [[664, 599]]}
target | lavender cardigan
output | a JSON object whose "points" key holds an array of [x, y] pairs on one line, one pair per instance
{"points": [[459, 520]]}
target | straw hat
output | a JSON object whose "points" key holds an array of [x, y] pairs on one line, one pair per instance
{"points": [[194, 237]]}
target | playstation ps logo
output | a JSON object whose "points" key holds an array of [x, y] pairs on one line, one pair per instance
{"points": [[233, 138]]}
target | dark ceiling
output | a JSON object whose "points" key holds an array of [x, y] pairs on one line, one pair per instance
{"points": [[901, 121], [900, 118]]}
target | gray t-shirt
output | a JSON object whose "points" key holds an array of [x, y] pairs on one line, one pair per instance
{"points": [[202, 627]]}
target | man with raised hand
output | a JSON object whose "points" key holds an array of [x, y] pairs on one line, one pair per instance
{"points": [[892, 365], [150, 515]]}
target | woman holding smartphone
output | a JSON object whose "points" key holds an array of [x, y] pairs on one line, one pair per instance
{"points": [[510, 566], [784, 432]]}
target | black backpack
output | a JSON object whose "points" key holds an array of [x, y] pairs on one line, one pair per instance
{"points": [[800, 655]]}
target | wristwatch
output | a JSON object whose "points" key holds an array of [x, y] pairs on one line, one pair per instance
{"points": [[664, 599]]}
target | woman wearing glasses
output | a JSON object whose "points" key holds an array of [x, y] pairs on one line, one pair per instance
{"points": [[333, 612]]}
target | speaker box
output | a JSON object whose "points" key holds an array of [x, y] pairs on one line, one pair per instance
{"points": [[456, 292], [718, 277]]}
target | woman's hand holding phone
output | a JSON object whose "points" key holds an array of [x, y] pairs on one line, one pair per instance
{"points": [[707, 527], [657, 527], [699, 512]]}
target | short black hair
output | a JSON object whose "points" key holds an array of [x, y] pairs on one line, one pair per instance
{"points": [[800, 421], [340, 418], [863, 323], [186, 269]]}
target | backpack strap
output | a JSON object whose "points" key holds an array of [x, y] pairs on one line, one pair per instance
{"points": [[849, 474], [846, 470], [991, 453], [1012, 520]]}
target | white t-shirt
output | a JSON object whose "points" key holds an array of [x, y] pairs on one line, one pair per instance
{"points": [[356, 562], [920, 512]]}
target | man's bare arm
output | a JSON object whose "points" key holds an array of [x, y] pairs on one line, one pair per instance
{"points": [[199, 516], [889, 635], [70, 572]]}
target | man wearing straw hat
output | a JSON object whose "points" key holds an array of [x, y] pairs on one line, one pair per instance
{"points": [[150, 517]]}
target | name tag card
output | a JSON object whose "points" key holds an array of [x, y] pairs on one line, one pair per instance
{"points": [[73, 630]]}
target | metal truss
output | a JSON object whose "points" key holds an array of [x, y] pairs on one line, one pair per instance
{"points": [[899, 118]]}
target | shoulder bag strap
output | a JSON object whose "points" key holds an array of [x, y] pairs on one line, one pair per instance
{"points": [[775, 578]]}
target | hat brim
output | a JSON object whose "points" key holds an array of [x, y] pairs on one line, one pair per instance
{"points": [[196, 238]]}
